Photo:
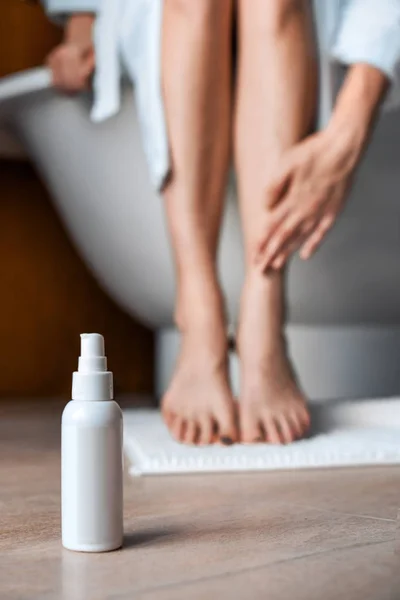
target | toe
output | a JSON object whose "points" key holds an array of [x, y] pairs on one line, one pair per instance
{"points": [[251, 432], [178, 429], [296, 425], [286, 433], [168, 418], [206, 430], [191, 432], [271, 430], [227, 427], [305, 420]]}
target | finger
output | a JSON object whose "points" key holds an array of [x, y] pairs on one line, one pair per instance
{"points": [[56, 78], [291, 247], [191, 432], [311, 245], [89, 59], [71, 68], [315, 239], [279, 262], [60, 63], [278, 242], [80, 74], [293, 244], [279, 185], [87, 68], [206, 430], [67, 79], [274, 220], [283, 258]]}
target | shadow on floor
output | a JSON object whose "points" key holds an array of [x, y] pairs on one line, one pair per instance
{"points": [[149, 537]]}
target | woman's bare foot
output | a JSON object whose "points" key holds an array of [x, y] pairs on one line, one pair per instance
{"points": [[198, 407], [272, 406]]}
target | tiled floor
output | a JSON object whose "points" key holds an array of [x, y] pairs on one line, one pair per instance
{"points": [[303, 535]]}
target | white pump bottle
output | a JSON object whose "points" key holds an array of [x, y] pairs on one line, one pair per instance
{"points": [[92, 497]]}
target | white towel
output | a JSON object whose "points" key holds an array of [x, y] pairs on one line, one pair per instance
{"points": [[107, 78], [345, 434]]}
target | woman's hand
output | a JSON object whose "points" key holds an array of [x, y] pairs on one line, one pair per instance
{"points": [[306, 196], [72, 62], [314, 176]]}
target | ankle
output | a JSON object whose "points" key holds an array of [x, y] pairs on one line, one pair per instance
{"points": [[203, 330], [198, 309], [261, 323], [254, 278], [264, 353], [271, 362], [204, 351]]}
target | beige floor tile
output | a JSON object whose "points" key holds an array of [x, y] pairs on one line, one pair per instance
{"points": [[168, 550], [359, 573], [182, 530], [371, 492]]}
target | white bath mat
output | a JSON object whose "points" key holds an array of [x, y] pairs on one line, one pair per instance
{"points": [[347, 433]]}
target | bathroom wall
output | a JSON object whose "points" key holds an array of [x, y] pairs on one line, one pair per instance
{"points": [[48, 297], [26, 36], [47, 294]]}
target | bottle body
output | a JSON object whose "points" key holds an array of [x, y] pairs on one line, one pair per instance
{"points": [[91, 476]]}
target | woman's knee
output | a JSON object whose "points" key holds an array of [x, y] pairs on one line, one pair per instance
{"points": [[198, 13], [268, 18]]}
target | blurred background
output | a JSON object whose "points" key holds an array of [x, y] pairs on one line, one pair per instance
{"points": [[93, 210], [48, 296]]}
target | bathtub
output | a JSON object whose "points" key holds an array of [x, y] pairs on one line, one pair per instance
{"points": [[343, 305]]}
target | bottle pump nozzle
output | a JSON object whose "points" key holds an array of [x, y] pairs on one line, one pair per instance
{"points": [[92, 356], [92, 381]]}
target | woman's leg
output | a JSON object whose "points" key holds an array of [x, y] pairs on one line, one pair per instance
{"points": [[274, 109], [196, 63]]}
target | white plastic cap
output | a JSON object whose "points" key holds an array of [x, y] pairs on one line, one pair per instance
{"points": [[92, 381], [92, 344], [92, 358]]}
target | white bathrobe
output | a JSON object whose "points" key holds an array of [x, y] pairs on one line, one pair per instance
{"points": [[128, 36]]}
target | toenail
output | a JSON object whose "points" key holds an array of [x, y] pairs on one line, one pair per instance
{"points": [[227, 441]]}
